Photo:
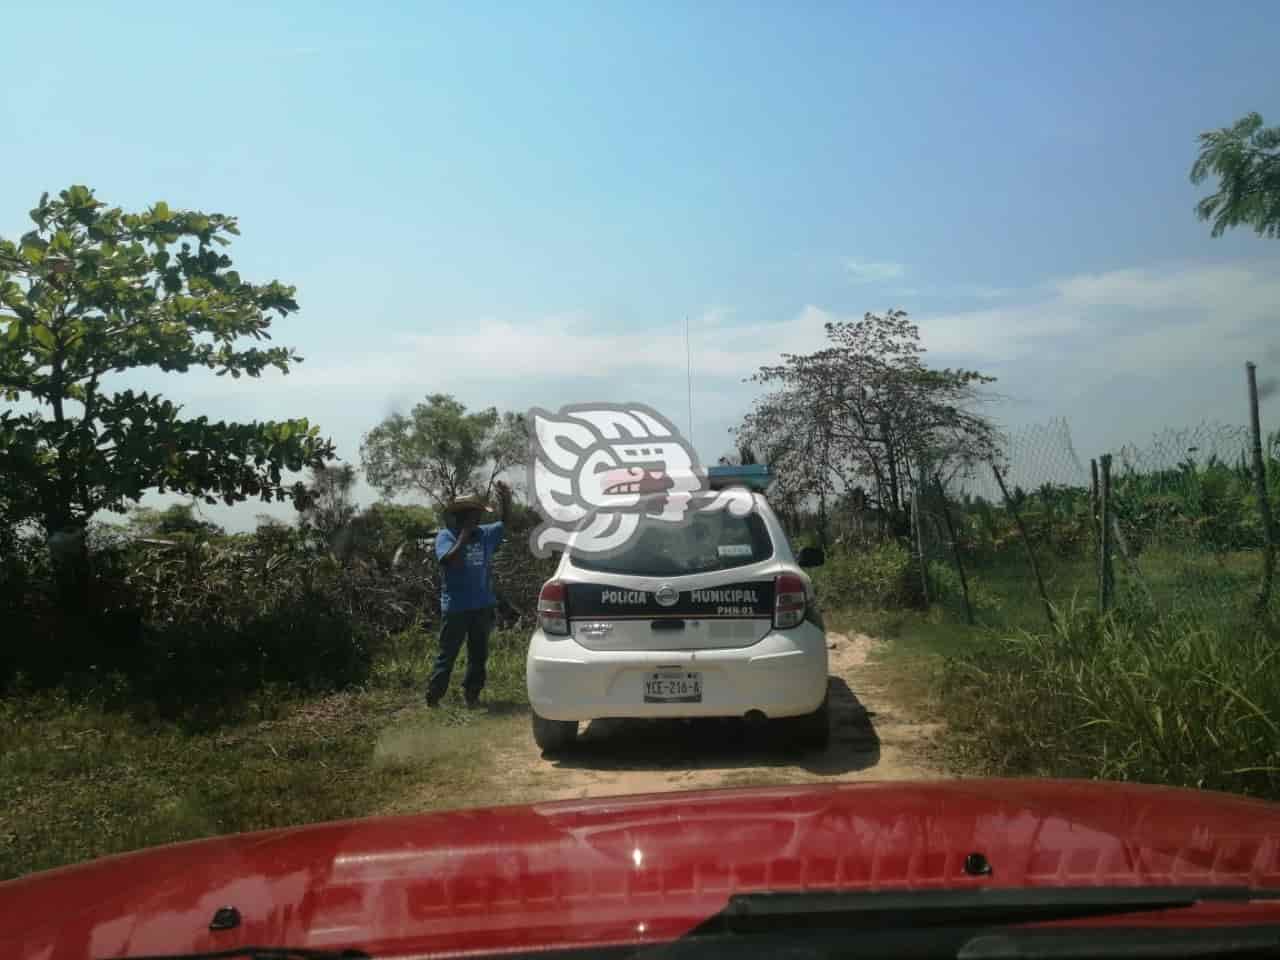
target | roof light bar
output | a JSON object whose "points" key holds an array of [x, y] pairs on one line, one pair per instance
{"points": [[754, 476]]}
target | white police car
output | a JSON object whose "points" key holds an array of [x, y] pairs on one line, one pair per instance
{"points": [[711, 618]]}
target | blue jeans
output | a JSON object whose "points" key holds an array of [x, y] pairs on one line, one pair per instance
{"points": [[472, 626]]}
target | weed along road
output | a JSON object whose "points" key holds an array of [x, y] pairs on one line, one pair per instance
{"points": [[874, 736]]}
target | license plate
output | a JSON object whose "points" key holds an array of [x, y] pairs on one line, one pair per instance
{"points": [[672, 686]]}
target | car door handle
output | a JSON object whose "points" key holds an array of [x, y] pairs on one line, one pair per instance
{"points": [[667, 625]]}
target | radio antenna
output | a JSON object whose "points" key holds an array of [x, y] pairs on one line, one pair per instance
{"points": [[688, 365]]}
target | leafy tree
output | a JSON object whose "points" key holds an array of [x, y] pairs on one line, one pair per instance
{"points": [[178, 519], [443, 451], [329, 505], [93, 292], [1245, 158], [380, 531], [866, 408]]}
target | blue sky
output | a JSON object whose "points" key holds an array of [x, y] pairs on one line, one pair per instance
{"points": [[520, 206]]}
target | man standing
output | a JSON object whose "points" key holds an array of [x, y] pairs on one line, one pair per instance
{"points": [[467, 599]]}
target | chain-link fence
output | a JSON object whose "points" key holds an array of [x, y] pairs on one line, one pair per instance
{"points": [[1169, 525]]}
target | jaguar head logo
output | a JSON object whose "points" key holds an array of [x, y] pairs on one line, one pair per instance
{"points": [[598, 471], [616, 463]]}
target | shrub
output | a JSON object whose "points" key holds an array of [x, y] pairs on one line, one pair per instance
{"points": [[196, 623], [944, 581], [881, 576]]}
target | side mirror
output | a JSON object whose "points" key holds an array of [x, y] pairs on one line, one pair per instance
{"points": [[811, 557]]}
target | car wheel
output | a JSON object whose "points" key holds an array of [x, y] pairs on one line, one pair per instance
{"points": [[554, 736], [812, 731]]}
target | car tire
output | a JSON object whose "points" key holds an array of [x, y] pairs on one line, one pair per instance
{"points": [[812, 731], [554, 736]]}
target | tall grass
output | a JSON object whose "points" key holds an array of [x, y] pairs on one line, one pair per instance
{"points": [[1188, 701]]}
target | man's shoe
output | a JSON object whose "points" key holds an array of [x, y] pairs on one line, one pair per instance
{"points": [[432, 701], [473, 699]]}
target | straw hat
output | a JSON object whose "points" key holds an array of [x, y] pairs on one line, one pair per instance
{"points": [[468, 503]]}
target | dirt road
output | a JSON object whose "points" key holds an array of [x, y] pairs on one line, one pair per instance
{"points": [[872, 737]]}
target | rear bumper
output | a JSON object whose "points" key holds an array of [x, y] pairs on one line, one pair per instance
{"points": [[782, 675]]}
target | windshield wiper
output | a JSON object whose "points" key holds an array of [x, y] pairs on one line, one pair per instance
{"points": [[969, 908], [1096, 943], [259, 953]]}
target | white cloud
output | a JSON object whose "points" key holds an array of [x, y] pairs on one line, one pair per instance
{"points": [[998, 333], [560, 347], [1122, 320], [1203, 287], [869, 271], [1125, 321]]}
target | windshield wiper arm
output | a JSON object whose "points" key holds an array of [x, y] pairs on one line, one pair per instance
{"points": [[952, 908], [259, 953], [1103, 943]]}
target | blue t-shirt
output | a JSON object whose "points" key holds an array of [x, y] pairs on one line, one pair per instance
{"points": [[469, 585]]}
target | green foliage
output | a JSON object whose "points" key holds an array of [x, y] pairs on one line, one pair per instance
{"points": [[197, 621], [1211, 505], [388, 532], [882, 576], [944, 587], [93, 292], [1245, 158], [178, 520], [442, 451], [200, 624]]}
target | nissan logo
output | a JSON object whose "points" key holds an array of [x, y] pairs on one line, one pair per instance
{"points": [[667, 595]]}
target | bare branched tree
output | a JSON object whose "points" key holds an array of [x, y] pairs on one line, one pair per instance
{"points": [[867, 412]]}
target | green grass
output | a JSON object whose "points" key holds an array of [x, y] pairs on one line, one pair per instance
{"points": [[83, 782], [1168, 581], [1180, 684]]}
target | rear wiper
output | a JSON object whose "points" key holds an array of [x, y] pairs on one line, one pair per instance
{"points": [[258, 953], [964, 908]]}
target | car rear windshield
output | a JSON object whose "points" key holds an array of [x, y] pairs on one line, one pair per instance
{"points": [[708, 542]]}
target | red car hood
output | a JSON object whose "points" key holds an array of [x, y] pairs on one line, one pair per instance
{"points": [[633, 869]]}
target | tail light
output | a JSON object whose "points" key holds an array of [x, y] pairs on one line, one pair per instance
{"points": [[553, 615], [789, 601]]}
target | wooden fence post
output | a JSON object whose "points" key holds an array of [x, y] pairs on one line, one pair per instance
{"points": [[1104, 536], [955, 548], [917, 530], [1260, 484], [1026, 542], [1093, 499]]}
